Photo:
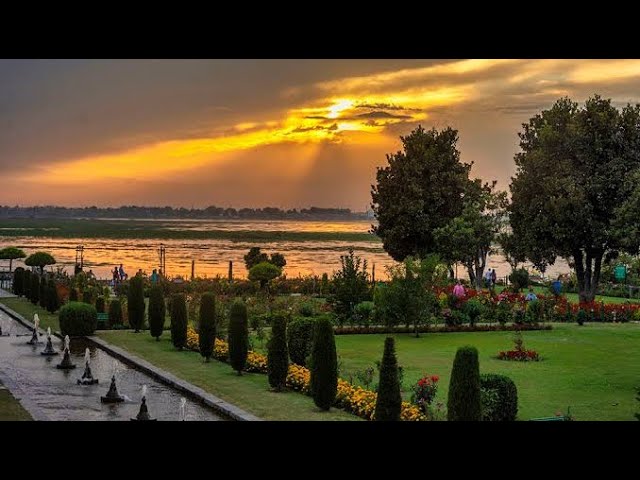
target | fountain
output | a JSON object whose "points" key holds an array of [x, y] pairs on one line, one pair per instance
{"points": [[112, 395], [87, 376], [34, 336], [66, 359], [143, 414], [183, 409], [48, 350]]}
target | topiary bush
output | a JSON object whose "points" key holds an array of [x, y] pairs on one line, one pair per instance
{"points": [[18, 281], [53, 302], [581, 317], [238, 335], [207, 325], [277, 353], [135, 303], [474, 310], [324, 365], [300, 339], [157, 311], [34, 291], [100, 304], [43, 292], [178, 320], [464, 402], [519, 279], [499, 398], [389, 400], [78, 319], [115, 313], [26, 284]]}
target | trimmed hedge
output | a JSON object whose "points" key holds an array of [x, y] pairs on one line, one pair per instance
{"points": [[34, 291], [178, 320], [324, 365], [43, 292], [464, 402], [135, 303], [300, 339], [53, 302], [500, 398], [442, 329], [238, 336], [115, 312], [78, 319], [26, 284], [277, 353], [157, 311], [389, 400], [18, 281], [207, 326], [100, 304]]}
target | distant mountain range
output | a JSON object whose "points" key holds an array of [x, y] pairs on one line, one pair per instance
{"points": [[212, 212]]}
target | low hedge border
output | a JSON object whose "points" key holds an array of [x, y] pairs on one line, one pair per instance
{"points": [[443, 329]]}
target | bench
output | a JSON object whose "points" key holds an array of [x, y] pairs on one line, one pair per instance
{"points": [[557, 418], [102, 319]]}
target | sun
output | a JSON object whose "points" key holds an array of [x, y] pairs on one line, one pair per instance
{"points": [[339, 106]]}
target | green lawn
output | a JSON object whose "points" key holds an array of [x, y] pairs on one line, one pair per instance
{"points": [[594, 369], [250, 391], [574, 297], [25, 308], [10, 408]]}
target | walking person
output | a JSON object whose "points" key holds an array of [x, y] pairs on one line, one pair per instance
{"points": [[494, 277]]}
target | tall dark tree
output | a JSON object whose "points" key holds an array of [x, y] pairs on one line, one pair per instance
{"points": [[513, 252], [18, 281], [40, 260], [53, 302], [572, 179], [464, 402], [389, 401], [157, 311], [26, 284], [13, 253], [135, 303], [238, 336], [278, 260], [254, 257], [324, 365], [278, 353], [207, 326], [43, 292], [34, 291], [178, 320], [421, 189]]}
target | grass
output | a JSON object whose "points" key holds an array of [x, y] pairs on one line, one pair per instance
{"points": [[249, 392], [10, 408], [141, 229], [575, 298], [25, 308], [592, 369]]}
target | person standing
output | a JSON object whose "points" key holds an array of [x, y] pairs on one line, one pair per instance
{"points": [[154, 276], [531, 295], [494, 277], [459, 290], [123, 275]]}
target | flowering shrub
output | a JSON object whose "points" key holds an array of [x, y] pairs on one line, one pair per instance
{"points": [[520, 353], [425, 391], [356, 400]]}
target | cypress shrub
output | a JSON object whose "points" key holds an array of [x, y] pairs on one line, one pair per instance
{"points": [[18, 279], [464, 403], [87, 296], [100, 304], [277, 353], [499, 398], [178, 320], [300, 339], [115, 312], [35, 289], [389, 401], [238, 336], [78, 319], [207, 325], [53, 303], [73, 294], [324, 365], [43, 292], [135, 303], [26, 284], [156, 311]]}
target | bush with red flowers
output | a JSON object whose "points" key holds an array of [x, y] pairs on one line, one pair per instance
{"points": [[424, 392], [519, 353]]}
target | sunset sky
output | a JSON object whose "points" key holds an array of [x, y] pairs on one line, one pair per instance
{"points": [[283, 133]]}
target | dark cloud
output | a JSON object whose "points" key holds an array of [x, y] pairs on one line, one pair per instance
{"points": [[385, 106], [330, 128], [379, 114]]}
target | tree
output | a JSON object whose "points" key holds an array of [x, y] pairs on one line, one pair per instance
{"points": [[178, 320], [468, 237], [207, 325], [324, 365], [26, 284], [389, 401], [264, 272], [278, 260], [300, 339], [43, 292], [513, 252], [11, 254], [421, 189], [278, 353], [53, 303], [115, 312], [464, 402], [34, 290], [135, 303], [351, 285], [254, 257], [571, 183], [40, 260], [18, 281], [157, 311], [238, 336]]}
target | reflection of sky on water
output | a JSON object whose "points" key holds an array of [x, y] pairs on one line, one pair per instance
{"points": [[212, 256]]}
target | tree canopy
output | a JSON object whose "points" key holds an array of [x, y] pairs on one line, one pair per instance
{"points": [[264, 272], [11, 254], [40, 260]]}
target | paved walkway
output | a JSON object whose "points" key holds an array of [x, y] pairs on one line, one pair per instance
{"points": [[5, 294]]}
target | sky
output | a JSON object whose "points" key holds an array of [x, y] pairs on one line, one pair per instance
{"points": [[256, 133]]}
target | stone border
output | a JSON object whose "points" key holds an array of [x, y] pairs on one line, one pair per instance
{"points": [[220, 406]]}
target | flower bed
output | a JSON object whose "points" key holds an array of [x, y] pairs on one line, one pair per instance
{"points": [[356, 400], [519, 355], [440, 329]]}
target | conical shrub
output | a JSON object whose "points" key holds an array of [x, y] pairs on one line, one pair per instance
{"points": [[238, 336], [389, 401], [464, 402], [207, 325], [278, 353], [324, 365], [178, 320], [157, 311]]}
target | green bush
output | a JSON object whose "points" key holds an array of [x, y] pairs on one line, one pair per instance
{"points": [[73, 294], [135, 303], [350, 286], [464, 402], [35, 289], [18, 281], [300, 339], [207, 325], [100, 304], [534, 312], [26, 284], [324, 365], [364, 312], [307, 310], [389, 400], [581, 317], [238, 336], [87, 296], [115, 312], [78, 319], [43, 292], [178, 320], [277, 353], [499, 398], [53, 302], [519, 279], [264, 272], [157, 312], [474, 310]]}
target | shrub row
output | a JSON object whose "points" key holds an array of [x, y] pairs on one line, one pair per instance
{"points": [[429, 329]]}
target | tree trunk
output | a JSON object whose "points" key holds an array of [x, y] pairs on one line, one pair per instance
{"points": [[452, 276], [588, 266], [472, 275], [480, 263]]}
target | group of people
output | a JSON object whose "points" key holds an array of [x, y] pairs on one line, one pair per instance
{"points": [[119, 275], [490, 278]]}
